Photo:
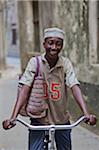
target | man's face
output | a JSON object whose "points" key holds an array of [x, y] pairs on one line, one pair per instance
{"points": [[53, 46]]}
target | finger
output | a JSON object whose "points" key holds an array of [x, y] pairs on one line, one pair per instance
{"points": [[12, 123], [86, 120], [11, 126]]}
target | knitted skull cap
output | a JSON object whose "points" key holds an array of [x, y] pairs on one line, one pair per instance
{"points": [[54, 32]]}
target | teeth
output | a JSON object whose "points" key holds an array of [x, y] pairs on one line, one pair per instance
{"points": [[53, 52]]}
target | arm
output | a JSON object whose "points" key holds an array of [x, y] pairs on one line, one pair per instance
{"points": [[22, 98], [27, 78], [80, 100]]}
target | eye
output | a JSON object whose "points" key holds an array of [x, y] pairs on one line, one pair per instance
{"points": [[50, 42], [59, 43]]}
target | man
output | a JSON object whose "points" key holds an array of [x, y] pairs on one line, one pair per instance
{"points": [[59, 74]]}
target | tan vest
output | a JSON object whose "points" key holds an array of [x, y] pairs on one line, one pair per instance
{"points": [[57, 93]]}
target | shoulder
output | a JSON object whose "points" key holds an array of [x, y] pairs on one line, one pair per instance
{"points": [[31, 64], [67, 64], [65, 60], [33, 61]]}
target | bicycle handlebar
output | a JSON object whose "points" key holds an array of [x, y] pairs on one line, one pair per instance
{"points": [[49, 127]]}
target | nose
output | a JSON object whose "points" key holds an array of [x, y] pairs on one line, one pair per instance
{"points": [[54, 46]]}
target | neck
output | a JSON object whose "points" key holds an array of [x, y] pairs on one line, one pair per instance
{"points": [[51, 62]]}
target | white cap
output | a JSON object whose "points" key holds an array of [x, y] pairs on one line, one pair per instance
{"points": [[54, 32]]}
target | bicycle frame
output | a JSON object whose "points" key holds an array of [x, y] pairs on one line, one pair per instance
{"points": [[51, 128]]}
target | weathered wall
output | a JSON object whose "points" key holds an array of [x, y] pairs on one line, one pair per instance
{"points": [[74, 19], [46, 17], [73, 16], [91, 94], [25, 18], [2, 37]]}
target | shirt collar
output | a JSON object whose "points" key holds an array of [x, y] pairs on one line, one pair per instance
{"points": [[59, 62]]}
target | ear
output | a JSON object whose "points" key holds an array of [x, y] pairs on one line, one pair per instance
{"points": [[62, 46], [44, 44]]}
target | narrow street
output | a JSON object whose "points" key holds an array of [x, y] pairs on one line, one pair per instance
{"points": [[67, 31]]}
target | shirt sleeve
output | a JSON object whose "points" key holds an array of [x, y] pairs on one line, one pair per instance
{"points": [[70, 78], [28, 75]]}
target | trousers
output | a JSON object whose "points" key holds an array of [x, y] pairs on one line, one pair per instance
{"points": [[36, 138]]}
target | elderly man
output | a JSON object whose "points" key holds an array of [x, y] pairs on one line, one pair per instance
{"points": [[58, 74]]}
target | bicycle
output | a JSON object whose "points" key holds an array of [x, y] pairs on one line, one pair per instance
{"points": [[50, 131]]}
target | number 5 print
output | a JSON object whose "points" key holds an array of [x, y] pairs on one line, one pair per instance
{"points": [[56, 93]]}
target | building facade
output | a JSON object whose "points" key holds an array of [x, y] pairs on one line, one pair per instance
{"points": [[12, 28]]}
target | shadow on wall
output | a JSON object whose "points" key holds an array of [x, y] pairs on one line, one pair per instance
{"points": [[91, 96]]}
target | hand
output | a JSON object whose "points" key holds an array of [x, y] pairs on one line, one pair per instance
{"points": [[8, 124], [91, 119]]}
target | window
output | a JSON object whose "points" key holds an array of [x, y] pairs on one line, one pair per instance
{"points": [[14, 37]]}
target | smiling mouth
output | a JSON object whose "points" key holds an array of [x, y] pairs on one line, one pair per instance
{"points": [[53, 52]]}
